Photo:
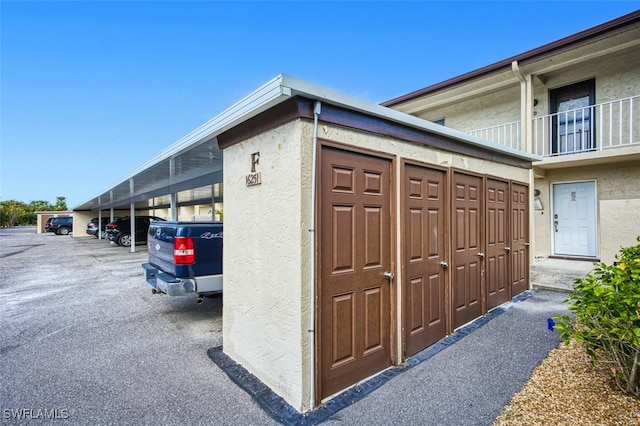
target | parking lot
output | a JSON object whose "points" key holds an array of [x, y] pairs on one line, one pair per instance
{"points": [[84, 341]]}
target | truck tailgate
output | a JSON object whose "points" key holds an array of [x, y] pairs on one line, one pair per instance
{"points": [[207, 238]]}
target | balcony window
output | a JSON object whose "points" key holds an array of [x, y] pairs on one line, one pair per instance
{"points": [[572, 112]]}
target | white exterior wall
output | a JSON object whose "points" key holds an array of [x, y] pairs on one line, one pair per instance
{"points": [[80, 220], [618, 201], [496, 108], [163, 213], [267, 255], [617, 77], [186, 212], [266, 261]]}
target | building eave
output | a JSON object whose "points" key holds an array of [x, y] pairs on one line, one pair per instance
{"points": [[565, 43], [274, 92]]}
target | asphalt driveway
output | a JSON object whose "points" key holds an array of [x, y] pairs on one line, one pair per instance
{"points": [[83, 339]]}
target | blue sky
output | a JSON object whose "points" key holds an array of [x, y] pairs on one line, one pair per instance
{"points": [[91, 90]]}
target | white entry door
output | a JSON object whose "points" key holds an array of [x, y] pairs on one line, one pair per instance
{"points": [[574, 219]]}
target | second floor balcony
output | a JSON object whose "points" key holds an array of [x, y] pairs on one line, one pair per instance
{"points": [[602, 126]]}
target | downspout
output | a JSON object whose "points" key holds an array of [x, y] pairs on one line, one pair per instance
{"points": [[526, 106], [312, 394], [526, 134]]}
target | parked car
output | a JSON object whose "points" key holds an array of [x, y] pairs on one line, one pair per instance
{"points": [[61, 225], [119, 231], [92, 226]]}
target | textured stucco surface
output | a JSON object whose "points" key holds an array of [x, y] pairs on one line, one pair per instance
{"points": [[267, 255], [616, 77], [620, 220], [266, 258], [615, 183]]}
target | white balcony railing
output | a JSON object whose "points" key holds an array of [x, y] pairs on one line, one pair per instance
{"points": [[596, 127], [505, 134]]}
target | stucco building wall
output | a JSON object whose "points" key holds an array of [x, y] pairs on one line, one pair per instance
{"points": [[268, 260], [618, 199], [616, 78], [496, 108]]}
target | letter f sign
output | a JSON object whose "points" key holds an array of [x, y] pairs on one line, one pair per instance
{"points": [[255, 159]]}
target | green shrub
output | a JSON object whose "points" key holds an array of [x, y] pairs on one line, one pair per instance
{"points": [[606, 304]]}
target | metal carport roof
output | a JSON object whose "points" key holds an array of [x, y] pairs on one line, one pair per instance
{"points": [[196, 160]]}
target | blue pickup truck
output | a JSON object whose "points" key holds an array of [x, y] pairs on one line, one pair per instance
{"points": [[185, 258]]}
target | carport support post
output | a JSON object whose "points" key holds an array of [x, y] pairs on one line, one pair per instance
{"points": [[99, 217], [132, 209], [174, 206]]}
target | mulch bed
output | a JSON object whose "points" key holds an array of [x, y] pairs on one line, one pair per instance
{"points": [[567, 389]]}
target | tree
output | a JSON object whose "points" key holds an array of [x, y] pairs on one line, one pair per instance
{"points": [[12, 213], [61, 203], [31, 217], [40, 206]]}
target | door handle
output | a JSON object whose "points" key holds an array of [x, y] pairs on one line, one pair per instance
{"points": [[444, 264], [389, 275], [481, 255], [507, 249], [555, 225]]}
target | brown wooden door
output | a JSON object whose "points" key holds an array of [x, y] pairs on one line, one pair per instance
{"points": [[424, 249], [467, 248], [519, 238], [497, 239], [355, 252]]}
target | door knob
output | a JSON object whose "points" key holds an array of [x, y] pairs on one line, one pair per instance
{"points": [[389, 275], [481, 255], [444, 264], [507, 249]]}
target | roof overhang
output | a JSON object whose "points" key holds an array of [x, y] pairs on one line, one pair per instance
{"points": [[533, 60], [196, 159]]}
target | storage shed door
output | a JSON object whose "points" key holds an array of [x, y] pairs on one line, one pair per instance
{"points": [[424, 251], [519, 238], [497, 247], [467, 248], [355, 252]]}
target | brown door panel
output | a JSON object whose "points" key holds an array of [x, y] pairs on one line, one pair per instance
{"points": [[497, 240], [424, 277], [519, 238], [467, 253], [355, 252]]}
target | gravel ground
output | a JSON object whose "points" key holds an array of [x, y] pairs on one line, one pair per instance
{"points": [[566, 389]]}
